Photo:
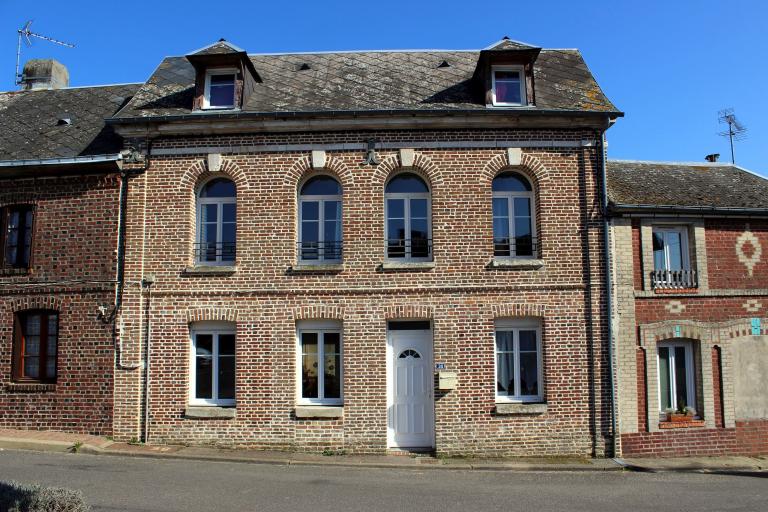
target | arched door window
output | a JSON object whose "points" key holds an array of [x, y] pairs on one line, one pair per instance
{"points": [[408, 213], [514, 227], [320, 238], [216, 223]]}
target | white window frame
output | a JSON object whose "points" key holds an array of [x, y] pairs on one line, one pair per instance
{"points": [[215, 329], [220, 202], [690, 374], [684, 247], [319, 327], [517, 325], [523, 98], [407, 196], [321, 260], [510, 197], [207, 92]]}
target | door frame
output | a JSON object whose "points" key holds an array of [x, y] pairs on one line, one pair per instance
{"points": [[390, 383]]}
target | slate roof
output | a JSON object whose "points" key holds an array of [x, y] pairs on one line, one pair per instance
{"points": [[686, 185], [372, 81], [30, 129]]}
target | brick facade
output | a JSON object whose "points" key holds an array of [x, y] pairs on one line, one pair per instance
{"points": [[717, 316], [461, 295], [72, 271]]}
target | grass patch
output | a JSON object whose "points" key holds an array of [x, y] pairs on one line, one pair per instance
{"points": [[16, 497]]}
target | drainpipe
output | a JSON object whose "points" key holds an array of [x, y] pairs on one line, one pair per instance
{"points": [[146, 283], [600, 136]]}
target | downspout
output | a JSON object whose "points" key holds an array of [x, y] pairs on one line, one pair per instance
{"points": [[146, 283], [612, 367]]}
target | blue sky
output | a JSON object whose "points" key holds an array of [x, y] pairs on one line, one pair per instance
{"points": [[669, 65]]}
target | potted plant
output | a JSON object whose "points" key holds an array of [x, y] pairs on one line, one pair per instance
{"points": [[681, 414]]}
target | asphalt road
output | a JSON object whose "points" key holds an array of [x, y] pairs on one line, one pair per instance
{"points": [[118, 483]]}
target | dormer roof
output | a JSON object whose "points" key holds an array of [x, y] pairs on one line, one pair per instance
{"points": [[222, 53]]}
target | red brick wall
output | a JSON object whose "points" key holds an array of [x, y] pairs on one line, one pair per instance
{"points": [[703, 309], [752, 437], [717, 382], [461, 295], [725, 269], [642, 400], [73, 259]]}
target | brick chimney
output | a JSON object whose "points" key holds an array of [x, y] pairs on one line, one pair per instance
{"points": [[44, 74], [714, 157]]}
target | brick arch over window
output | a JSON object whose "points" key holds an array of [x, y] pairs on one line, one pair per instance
{"points": [[199, 173], [318, 312], [408, 311], [302, 168], [518, 310], [211, 314], [38, 302], [529, 166], [422, 166]]}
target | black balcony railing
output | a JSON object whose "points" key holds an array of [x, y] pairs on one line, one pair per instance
{"points": [[522, 246], [674, 279], [212, 253], [320, 251], [409, 248]]}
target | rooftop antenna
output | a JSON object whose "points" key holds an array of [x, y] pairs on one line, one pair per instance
{"points": [[25, 33], [736, 131]]}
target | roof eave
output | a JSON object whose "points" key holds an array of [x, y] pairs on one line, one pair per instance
{"points": [[655, 209], [92, 164]]}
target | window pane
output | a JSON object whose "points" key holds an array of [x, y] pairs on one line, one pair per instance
{"points": [[527, 341], [522, 207], [395, 208], [203, 377], [309, 363], [32, 367], [505, 373], [229, 213], [510, 182], [406, 183], [675, 249], [332, 233], [228, 233], [204, 345], [508, 87], [418, 208], [332, 210], [209, 213], [659, 262], [222, 94], [332, 355], [396, 242], [664, 381], [32, 345], [219, 187], [222, 79], [310, 210], [504, 341], [210, 233], [226, 377], [52, 342], [529, 377], [310, 231], [321, 186], [50, 367], [681, 375], [53, 324], [419, 229], [226, 344], [33, 325], [500, 207]]}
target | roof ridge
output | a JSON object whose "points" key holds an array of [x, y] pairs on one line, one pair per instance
{"points": [[672, 162], [75, 87]]}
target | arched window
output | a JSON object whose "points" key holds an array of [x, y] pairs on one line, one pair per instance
{"points": [[408, 228], [216, 223], [320, 221], [514, 228], [35, 346]]}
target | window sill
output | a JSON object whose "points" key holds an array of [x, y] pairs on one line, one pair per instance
{"points": [[515, 264], [662, 291], [406, 266], [210, 270], [320, 268], [30, 387], [203, 412], [319, 411], [666, 425], [503, 408], [11, 271]]}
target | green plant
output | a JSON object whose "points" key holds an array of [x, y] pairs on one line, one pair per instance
{"points": [[330, 453], [17, 497], [76, 447], [135, 441]]}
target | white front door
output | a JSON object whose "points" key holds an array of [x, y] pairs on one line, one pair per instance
{"points": [[411, 406]]}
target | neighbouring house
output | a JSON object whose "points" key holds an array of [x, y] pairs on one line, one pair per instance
{"points": [[59, 191], [691, 292], [367, 251]]}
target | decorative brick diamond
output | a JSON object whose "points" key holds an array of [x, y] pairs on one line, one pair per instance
{"points": [[752, 306], [675, 307]]}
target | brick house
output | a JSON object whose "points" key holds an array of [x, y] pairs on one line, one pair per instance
{"points": [[691, 288], [367, 251], [59, 190]]}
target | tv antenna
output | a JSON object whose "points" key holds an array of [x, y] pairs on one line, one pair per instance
{"points": [[736, 131], [25, 34]]}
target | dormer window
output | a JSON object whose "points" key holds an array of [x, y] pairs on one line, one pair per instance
{"points": [[219, 89], [508, 86]]}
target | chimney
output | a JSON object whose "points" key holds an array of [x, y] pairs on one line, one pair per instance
{"points": [[714, 157], [44, 74]]}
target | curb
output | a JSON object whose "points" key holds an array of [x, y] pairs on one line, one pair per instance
{"points": [[87, 449]]}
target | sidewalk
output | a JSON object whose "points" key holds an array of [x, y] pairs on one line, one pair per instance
{"points": [[77, 443]]}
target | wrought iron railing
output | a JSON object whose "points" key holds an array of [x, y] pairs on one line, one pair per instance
{"points": [[320, 251], [674, 279], [409, 248], [516, 247], [212, 253]]}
